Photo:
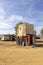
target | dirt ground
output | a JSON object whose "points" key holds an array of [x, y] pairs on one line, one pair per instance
{"points": [[11, 54]]}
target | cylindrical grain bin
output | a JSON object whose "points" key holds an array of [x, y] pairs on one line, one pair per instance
{"points": [[25, 34]]}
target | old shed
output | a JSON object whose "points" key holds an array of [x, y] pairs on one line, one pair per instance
{"points": [[25, 33], [7, 37]]}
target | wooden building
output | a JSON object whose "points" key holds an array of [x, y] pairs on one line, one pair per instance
{"points": [[7, 37], [25, 34]]}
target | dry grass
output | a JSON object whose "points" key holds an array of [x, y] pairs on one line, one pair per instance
{"points": [[10, 54]]}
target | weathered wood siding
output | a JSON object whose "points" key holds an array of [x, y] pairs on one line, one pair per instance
{"points": [[29, 29], [6, 37], [24, 29]]}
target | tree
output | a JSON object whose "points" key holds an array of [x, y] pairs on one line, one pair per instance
{"points": [[41, 32]]}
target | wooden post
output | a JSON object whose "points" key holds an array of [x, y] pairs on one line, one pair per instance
{"points": [[34, 41]]}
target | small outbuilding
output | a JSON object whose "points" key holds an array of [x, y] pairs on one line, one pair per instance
{"points": [[7, 37], [25, 34]]}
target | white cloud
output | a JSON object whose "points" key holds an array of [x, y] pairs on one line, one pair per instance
{"points": [[7, 31], [21, 18], [10, 20], [4, 25], [15, 17], [2, 20]]}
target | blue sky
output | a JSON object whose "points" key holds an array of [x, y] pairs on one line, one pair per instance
{"points": [[14, 11]]}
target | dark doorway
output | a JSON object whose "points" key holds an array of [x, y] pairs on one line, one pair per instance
{"points": [[31, 40]]}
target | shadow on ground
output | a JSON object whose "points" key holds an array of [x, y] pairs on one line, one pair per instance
{"points": [[7, 44], [36, 45], [39, 45]]}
